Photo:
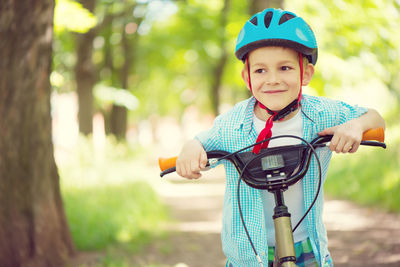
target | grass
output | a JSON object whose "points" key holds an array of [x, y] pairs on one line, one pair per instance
{"points": [[128, 214], [108, 202], [369, 177]]}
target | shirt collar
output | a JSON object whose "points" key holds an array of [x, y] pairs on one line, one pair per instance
{"points": [[311, 114], [245, 121], [310, 109]]}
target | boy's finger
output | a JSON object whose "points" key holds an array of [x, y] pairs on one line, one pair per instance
{"points": [[327, 131], [196, 175], [193, 175], [333, 143], [188, 169], [340, 146], [203, 160], [347, 147], [182, 170], [354, 147], [194, 167]]}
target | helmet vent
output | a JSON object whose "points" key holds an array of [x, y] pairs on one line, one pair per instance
{"points": [[285, 17], [267, 19], [254, 20]]}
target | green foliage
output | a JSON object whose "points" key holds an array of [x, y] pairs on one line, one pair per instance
{"points": [[175, 46], [363, 34], [107, 200], [181, 60], [179, 54], [70, 15], [369, 177]]}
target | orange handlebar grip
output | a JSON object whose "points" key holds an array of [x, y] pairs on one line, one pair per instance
{"points": [[377, 134], [166, 163]]}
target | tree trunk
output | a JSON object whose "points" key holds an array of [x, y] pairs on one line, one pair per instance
{"points": [[85, 75], [108, 64], [119, 114], [33, 226], [220, 65], [215, 88], [129, 41], [259, 5]]}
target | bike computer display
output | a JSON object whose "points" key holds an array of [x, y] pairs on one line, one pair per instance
{"points": [[273, 162]]}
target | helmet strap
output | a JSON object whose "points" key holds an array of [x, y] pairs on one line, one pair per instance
{"points": [[275, 115]]}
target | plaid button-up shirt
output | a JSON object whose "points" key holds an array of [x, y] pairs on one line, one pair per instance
{"points": [[234, 130]]}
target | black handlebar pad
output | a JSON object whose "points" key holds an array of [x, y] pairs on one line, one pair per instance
{"points": [[273, 168]]}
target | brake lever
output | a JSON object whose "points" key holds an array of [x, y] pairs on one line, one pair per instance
{"points": [[210, 164]]}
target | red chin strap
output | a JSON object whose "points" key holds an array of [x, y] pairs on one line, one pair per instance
{"points": [[266, 133]]}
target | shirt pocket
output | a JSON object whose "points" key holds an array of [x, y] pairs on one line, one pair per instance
{"points": [[328, 262]]}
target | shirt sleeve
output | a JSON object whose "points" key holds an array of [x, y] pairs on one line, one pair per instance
{"points": [[210, 139], [348, 112], [329, 113]]}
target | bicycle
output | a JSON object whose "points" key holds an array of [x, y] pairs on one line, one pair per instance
{"points": [[275, 170]]}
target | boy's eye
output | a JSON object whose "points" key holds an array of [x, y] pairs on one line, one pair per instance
{"points": [[286, 68], [259, 70]]}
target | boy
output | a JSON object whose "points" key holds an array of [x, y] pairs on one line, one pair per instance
{"points": [[279, 52]]}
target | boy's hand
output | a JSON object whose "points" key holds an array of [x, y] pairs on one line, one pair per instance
{"points": [[191, 160], [346, 137]]}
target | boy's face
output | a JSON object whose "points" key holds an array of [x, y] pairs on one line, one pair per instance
{"points": [[275, 76]]}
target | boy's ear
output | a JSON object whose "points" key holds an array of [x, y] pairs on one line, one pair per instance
{"points": [[245, 78], [308, 74]]}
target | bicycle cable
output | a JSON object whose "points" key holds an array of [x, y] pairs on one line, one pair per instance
{"points": [[241, 177]]}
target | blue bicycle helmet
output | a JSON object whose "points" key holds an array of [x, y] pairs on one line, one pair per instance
{"points": [[276, 27]]}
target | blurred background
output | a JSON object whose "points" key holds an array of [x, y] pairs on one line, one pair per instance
{"points": [[151, 72], [132, 80]]}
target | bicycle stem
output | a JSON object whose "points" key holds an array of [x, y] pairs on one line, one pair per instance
{"points": [[283, 232]]}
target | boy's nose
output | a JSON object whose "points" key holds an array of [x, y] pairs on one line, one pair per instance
{"points": [[272, 78]]}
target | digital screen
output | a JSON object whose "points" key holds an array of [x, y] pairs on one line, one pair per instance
{"points": [[272, 162]]}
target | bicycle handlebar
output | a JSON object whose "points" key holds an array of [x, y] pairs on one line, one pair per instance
{"points": [[167, 163], [372, 137], [377, 134]]}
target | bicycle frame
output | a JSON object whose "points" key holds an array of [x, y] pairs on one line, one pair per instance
{"points": [[275, 170]]}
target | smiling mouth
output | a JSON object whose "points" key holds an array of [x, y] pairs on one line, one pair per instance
{"points": [[274, 91]]}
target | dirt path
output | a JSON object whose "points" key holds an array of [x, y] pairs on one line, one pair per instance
{"points": [[358, 236]]}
